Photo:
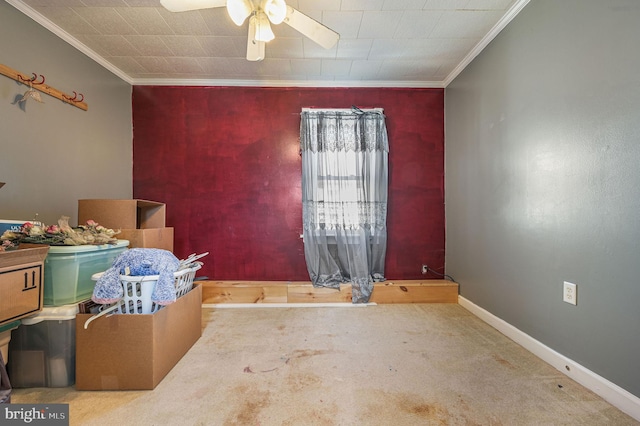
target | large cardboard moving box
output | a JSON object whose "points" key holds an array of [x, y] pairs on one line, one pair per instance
{"points": [[125, 214], [142, 222], [135, 352], [161, 238]]}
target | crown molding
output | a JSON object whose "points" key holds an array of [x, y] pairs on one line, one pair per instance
{"points": [[36, 16], [285, 83], [499, 26]]}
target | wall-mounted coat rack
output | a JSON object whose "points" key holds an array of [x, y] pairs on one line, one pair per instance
{"points": [[37, 82]]}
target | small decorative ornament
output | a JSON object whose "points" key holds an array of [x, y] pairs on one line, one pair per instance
{"points": [[31, 94]]}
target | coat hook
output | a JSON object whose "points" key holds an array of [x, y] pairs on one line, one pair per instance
{"points": [[75, 97], [25, 80], [31, 80]]}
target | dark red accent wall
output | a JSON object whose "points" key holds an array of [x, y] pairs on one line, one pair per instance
{"points": [[226, 162]]}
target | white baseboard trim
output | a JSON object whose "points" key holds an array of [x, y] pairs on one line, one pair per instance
{"points": [[610, 392]]}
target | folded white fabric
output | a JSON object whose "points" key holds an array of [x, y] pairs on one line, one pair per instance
{"points": [[139, 262]]}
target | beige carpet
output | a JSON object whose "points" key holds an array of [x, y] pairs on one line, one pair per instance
{"points": [[423, 364]]}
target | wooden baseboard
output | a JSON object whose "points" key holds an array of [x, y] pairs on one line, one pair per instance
{"points": [[244, 291], [307, 293], [392, 291], [415, 291]]}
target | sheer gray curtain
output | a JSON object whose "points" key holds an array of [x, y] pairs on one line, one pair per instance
{"points": [[344, 197]]}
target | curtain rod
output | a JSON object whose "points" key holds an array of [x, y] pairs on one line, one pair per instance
{"points": [[380, 110]]}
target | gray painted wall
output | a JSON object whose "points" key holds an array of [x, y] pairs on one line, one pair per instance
{"points": [[543, 180], [53, 154]]}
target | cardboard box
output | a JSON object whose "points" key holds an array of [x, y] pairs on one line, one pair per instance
{"points": [[26, 253], [135, 352], [123, 214], [161, 238], [5, 338], [11, 225], [142, 222], [14, 225], [21, 282]]}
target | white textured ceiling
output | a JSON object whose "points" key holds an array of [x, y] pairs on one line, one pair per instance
{"points": [[383, 43]]}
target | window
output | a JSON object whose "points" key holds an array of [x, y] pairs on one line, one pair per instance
{"points": [[344, 197], [341, 193]]}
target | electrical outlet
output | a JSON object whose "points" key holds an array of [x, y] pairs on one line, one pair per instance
{"points": [[425, 269], [570, 293]]}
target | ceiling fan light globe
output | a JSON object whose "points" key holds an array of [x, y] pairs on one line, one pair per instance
{"points": [[276, 10], [239, 10], [263, 28]]}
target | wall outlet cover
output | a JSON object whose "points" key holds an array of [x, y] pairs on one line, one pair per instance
{"points": [[570, 293]]}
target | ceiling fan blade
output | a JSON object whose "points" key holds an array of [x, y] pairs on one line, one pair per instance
{"points": [[311, 28], [184, 5], [255, 48]]}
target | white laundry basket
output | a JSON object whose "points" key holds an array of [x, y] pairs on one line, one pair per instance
{"points": [[138, 290]]}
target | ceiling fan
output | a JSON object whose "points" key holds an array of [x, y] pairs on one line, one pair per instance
{"points": [[261, 13]]}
